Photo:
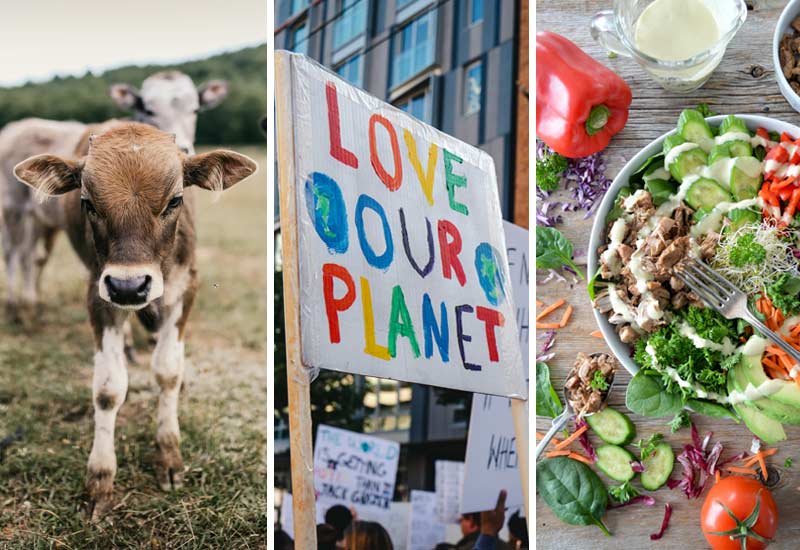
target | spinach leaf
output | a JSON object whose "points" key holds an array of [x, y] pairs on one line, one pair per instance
{"points": [[709, 408], [554, 250], [617, 211], [547, 401], [649, 166], [590, 286], [647, 396], [573, 491]]}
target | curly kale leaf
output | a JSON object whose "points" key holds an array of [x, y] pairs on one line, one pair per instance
{"points": [[784, 294], [549, 169]]}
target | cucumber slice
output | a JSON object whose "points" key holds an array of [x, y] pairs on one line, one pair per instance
{"points": [[612, 426], [657, 467], [687, 163], [741, 217], [719, 152], [660, 190], [672, 141], [701, 213], [743, 186], [706, 193], [693, 127], [615, 462], [733, 124], [741, 149]]}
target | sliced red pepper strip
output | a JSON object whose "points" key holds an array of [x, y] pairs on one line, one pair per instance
{"points": [[580, 103]]}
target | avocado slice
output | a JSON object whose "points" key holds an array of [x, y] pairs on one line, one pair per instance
{"points": [[765, 428], [777, 411], [789, 394]]}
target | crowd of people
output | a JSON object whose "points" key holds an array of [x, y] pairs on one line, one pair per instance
{"points": [[480, 531]]}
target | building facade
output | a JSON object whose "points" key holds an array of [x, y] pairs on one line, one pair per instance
{"points": [[454, 64]]}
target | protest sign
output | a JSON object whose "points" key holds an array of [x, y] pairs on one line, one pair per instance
{"points": [[491, 441], [425, 531], [354, 470], [449, 478], [287, 519], [402, 257]]}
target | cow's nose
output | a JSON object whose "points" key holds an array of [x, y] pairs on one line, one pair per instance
{"points": [[185, 150], [130, 291]]}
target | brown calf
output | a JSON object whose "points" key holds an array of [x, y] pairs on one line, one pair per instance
{"points": [[130, 216]]}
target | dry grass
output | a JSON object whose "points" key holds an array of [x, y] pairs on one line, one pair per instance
{"points": [[45, 379]]}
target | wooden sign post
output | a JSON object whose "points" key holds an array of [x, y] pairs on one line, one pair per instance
{"points": [[394, 256]]}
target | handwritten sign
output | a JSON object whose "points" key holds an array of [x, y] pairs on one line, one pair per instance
{"points": [[355, 470], [449, 478], [491, 454], [287, 517], [402, 257], [425, 531]]}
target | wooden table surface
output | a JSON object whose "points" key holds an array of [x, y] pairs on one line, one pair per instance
{"points": [[743, 83]]}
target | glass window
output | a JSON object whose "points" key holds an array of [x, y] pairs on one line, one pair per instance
{"points": [[473, 87], [350, 70], [300, 38], [417, 105], [350, 23], [298, 5], [388, 405], [414, 48], [476, 12]]}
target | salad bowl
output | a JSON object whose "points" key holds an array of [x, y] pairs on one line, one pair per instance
{"points": [[621, 350]]}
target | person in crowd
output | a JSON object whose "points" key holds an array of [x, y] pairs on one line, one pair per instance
{"points": [[327, 537], [481, 530], [445, 546], [518, 532], [340, 518], [367, 535], [283, 541]]}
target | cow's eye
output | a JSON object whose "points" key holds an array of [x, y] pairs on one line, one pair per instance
{"points": [[174, 203], [88, 207]]}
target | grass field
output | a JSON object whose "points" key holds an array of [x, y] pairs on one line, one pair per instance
{"points": [[45, 391]]}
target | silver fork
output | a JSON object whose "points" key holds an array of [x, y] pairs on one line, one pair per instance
{"points": [[718, 293]]}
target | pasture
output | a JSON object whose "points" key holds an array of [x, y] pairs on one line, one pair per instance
{"points": [[45, 392]]}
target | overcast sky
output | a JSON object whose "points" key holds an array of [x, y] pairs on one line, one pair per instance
{"points": [[43, 38]]}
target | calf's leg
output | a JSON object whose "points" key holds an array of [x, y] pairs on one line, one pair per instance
{"points": [[167, 365], [11, 231], [109, 387]]}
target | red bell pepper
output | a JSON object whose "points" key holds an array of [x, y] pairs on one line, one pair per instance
{"points": [[580, 103]]}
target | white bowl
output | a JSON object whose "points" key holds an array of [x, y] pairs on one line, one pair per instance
{"points": [[788, 14], [598, 235]]}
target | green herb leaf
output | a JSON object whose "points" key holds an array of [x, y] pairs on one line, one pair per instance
{"points": [[547, 401], [648, 446], [623, 493], [784, 294], [549, 169], [647, 396], [554, 250], [705, 110], [747, 252], [788, 462], [573, 491], [709, 408], [590, 286], [599, 381], [681, 420]]}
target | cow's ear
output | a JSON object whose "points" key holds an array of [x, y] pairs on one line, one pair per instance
{"points": [[217, 170], [50, 175], [212, 93], [126, 97]]}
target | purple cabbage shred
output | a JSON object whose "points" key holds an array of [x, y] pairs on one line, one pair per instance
{"points": [[583, 439], [664, 522]]}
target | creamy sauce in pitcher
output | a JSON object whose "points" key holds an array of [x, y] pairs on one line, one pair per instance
{"points": [[673, 30]]}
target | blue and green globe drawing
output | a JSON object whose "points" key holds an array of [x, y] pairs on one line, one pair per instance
{"points": [[328, 211], [490, 273]]}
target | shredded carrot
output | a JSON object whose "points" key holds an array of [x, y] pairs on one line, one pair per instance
{"points": [[575, 435], [566, 316], [750, 460], [550, 309], [579, 457], [763, 465], [553, 441], [737, 470], [596, 334], [548, 325], [551, 454], [539, 302], [716, 476]]}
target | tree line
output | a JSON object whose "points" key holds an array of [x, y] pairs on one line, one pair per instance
{"points": [[86, 99]]}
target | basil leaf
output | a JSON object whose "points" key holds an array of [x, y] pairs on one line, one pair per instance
{"points": [[547, 401], [573, 491], [709, 408], [554, 250], [646, 396]]}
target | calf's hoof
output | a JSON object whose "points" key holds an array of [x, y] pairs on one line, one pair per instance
{"points": [[12, 314], [100, 488], [169, 466]]}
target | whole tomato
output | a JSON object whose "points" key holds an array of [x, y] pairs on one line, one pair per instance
{"points": [[739, 513]]}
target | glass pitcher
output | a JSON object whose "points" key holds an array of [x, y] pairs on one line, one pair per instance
{"points": [[615, 30]]}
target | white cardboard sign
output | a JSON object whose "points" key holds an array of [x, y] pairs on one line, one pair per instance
{"points": [[425, 531], [355, 470], [401, 251], [449, 479], [491, 441]]}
